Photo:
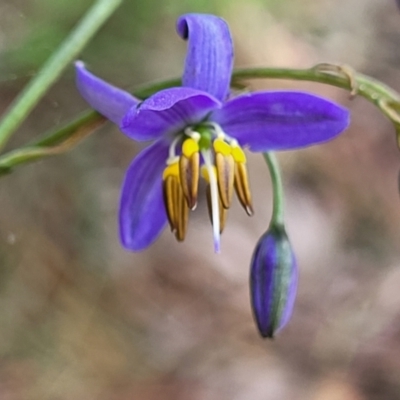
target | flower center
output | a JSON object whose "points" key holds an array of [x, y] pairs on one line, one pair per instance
{"points": [[221, 162]]}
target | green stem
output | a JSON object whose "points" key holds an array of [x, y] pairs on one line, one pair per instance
{"points": [[58, 141], [381, 95], [366, 86], [52, 69], [277, 188], [90, 116], [386, 99], [369, 88]]}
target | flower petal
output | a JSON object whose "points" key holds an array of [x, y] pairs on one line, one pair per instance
{"points": [[281, 120], [209, 60], [142, 214], [167, 111], [107, 99]]}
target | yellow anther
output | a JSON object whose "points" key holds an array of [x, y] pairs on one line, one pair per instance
{"points": [[238, 154], [189, 174], [225, 165], [220, 146], [171, 170], [204, 173], [242, 187], [189, 147], [175, 202]]}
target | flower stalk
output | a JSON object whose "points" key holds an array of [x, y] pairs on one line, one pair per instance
{"points": [[382, 96], [277, 188], [273, 268]]}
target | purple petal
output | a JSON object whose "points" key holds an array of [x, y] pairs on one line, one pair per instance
{"points": [[209, 60], [167, 111], [281, 120], [142, 214], [108, 100]]}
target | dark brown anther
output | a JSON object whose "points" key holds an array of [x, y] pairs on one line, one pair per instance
{"points": [[171, 186], [242, 187], [189, 170], [175, 206], [225, 166], [182, 211]]}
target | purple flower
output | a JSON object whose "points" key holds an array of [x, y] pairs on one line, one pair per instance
{"points": [[198, 130], [273, 281]]}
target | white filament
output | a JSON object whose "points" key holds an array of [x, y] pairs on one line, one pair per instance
{"points": [[219, 133], [192, 134], [207, 156], [172, 157]]}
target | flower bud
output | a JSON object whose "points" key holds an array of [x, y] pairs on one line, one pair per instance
{"points": [[273, 281]]}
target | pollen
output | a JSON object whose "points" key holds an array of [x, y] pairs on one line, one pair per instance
{"points": [[171, 170], [204, 173], [190, 146], [238, 154], [189, 164], [220, 146]]}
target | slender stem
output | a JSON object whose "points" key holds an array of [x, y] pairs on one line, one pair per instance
{"points": [[31, 153], [385, 98], [89, 116], [277, 187], [366, 86], [52, 69]]}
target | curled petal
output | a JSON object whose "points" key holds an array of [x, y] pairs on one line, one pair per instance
{"points": [[142, 214], [167, 111], [107, 99], [209, 60], [281, 120]]}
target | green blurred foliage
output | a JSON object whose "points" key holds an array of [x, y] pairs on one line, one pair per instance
{"points": [[45, 23]]}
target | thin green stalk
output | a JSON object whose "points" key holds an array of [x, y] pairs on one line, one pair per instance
{"points": [[34, 152], [277, 188], [363, 85], [342, 76], [52, 69], [367, 87], [66, 137], [86, 118], [385, 98]]}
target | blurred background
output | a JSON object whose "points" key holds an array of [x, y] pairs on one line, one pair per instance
{"points": [[83, 319]]}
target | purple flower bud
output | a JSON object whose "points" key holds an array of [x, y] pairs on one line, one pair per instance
{"points": [[273, 281]]}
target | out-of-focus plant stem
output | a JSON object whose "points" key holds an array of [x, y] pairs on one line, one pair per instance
{"points": [[51, 70], [342, 76], [53, 142], [381, 95]]}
